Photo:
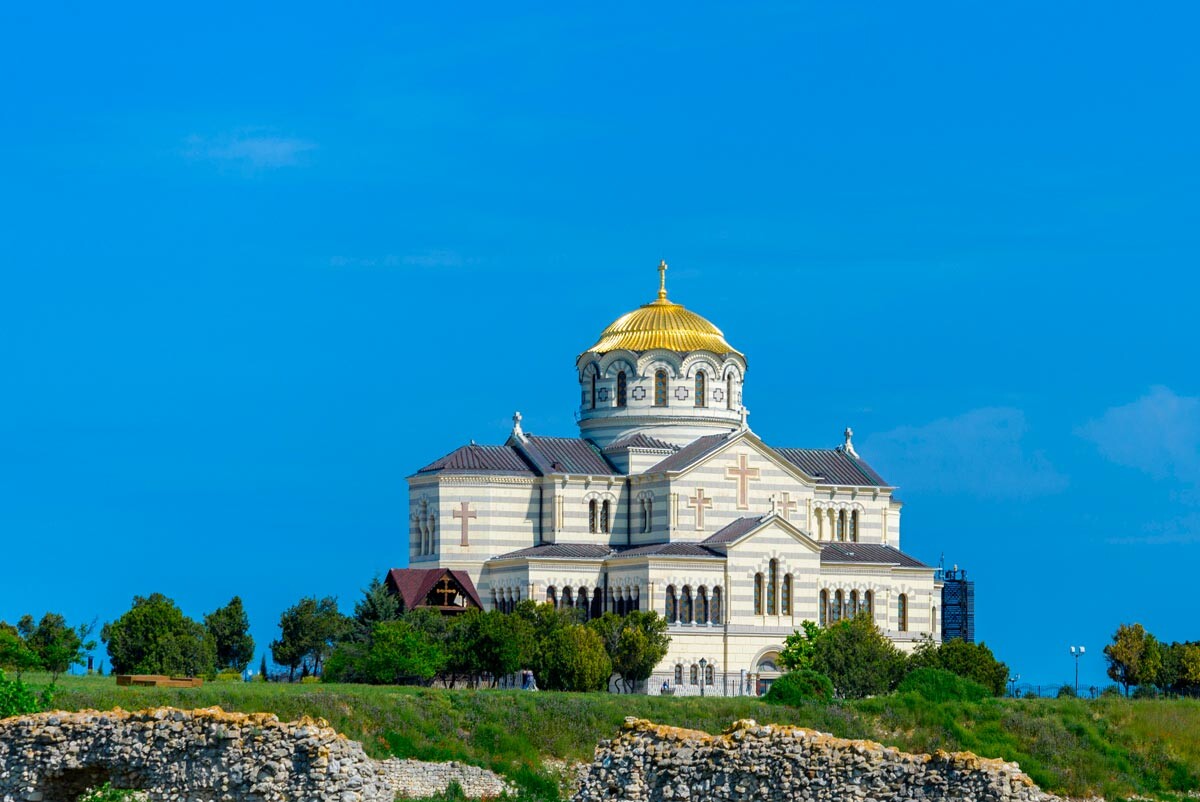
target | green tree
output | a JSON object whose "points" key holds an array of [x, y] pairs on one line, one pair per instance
{"points": [[309, 630], [401, 654], [973, 661], [15, 654], [857, 658], [377, 605], [799, 648], [1187, 667], [574, 660], [229, 627], [1134, 656], [57, 646], [635, 643], [263, 674], [155, 637]]}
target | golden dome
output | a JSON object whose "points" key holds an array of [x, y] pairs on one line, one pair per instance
{"points": [[662, 324]]}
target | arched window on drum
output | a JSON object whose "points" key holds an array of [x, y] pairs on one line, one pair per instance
{"points": [[660, 388]]}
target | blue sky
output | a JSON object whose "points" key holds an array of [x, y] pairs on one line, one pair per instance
{"points": [[261, 264]]}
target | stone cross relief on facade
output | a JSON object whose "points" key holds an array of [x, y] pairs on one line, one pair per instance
{"points": [[699, 503], [743, 473], [465, 513]]}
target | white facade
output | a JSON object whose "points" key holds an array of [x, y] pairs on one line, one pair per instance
{"points": [[669, 502]]}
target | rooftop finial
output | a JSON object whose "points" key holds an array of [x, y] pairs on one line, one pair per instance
{"points": [[662, 280], [517, 425], [850, 442]]}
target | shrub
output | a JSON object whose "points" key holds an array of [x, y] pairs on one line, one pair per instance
{"points": [[575, 660], [1067, 692], [940, 685], [228, 676], [857, 657], [16, 699], [797, 687], [309, 680], [106, 793]]}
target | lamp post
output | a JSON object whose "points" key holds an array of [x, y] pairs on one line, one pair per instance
{"points": [[1012, 681], [1077, 652], [703, 676]]}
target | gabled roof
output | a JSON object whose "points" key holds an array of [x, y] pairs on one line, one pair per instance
{"points": [[692, 452], [874, 553], [561, 551], [832, 466], [639, 440], [669, 550], [733, 530], [414, 584], [481, 459], [564, 455]]}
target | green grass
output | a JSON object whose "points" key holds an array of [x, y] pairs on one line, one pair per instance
{"points": [[1112, 747]]}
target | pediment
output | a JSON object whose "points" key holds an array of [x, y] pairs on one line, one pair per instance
{"points": [[680, 466], [742, 532]]}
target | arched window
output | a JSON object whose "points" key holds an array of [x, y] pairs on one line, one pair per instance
{"points": [[593, 391], [686, 616], [709, 674], [660, 388], [593, 517], [701, 395], [552, 596], [853, 603], [854, 527], [773, 589], [869, 603], [716, 605], [567, 600], [839, 604], [787, 594], [841, 525], [695, 674], [758, 594], [672, 605], [678, 675], [581, 602], [934, 621], [701, 606], [605, 515], [902, 613], [823, 608], [621, 389], [729, 391]]}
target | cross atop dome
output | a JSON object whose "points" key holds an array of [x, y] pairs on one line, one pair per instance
{"points": [[662, 280]]}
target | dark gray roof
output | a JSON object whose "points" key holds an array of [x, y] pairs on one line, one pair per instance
{"points": [[485, 459], [690, 453], [639, 440], [733, 530], [832, 466], [868, 553], [565, 455], [669, 550], [562, 551]]}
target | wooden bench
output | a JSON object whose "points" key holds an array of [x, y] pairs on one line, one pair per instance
{"points": [[158, 681]]}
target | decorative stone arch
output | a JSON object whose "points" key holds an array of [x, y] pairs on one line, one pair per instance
{"points": [[589, 369], [765, 652], [615, 361], [656, 359], [700, 360]]}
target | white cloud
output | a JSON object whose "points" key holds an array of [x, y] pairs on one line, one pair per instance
{"points": [[250, 149], [428, 259], [981, 453], [1173, 532], [1158, 434]]}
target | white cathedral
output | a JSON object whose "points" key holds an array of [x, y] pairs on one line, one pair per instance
{"points": [[667, 501]]}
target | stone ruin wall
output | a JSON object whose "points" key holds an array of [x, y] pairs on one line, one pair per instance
{"points": [[210, 756], [769, 762]]}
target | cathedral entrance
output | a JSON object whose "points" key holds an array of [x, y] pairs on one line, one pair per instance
{"points": [[766, 671]]}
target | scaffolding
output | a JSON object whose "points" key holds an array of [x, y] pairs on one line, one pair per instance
{"points": [[958, 606]]}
